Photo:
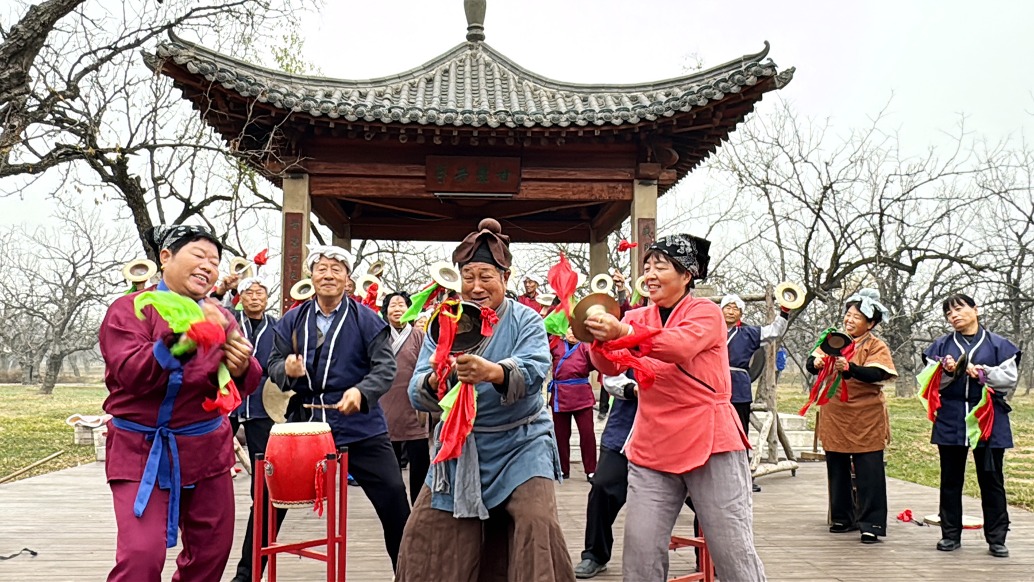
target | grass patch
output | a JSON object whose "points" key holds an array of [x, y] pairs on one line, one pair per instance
{"points": [[911, 457], [32, 426]]}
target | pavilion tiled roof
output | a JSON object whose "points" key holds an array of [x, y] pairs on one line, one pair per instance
{"points": [[473, 86]]}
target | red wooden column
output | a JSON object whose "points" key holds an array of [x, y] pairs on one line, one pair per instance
{"points": [[296, 211]]}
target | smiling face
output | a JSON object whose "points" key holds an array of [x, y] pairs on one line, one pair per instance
{"points": [[664, 282], [396, 309], [329, 277], [484, 284], [254, 300], [530, 287], [856, 324], [192, 270]]}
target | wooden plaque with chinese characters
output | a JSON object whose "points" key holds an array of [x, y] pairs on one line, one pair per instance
{"points": [[489, 175]]}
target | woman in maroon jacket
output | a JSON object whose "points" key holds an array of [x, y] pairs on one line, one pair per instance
{"points": [[407, 428], [168, 458], [571, 396]]}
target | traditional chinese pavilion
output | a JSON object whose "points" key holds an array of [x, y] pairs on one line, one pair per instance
{"points": [[428, 152]]}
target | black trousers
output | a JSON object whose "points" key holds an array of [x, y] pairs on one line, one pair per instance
{"points": [[256, 435], [869, 511], [992, 491], [743, 411], [606, 498], [419, 454], [604, 399]]}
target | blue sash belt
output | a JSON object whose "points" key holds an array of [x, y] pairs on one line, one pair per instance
{"points": [[159, 468], [569, 382]]}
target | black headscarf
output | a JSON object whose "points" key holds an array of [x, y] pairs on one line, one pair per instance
{"points": [[687, 250], [175, 236]]}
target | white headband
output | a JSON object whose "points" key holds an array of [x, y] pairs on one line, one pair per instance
{"points": [[329, 251], [535, 278], [247, 283], [733, 298]]}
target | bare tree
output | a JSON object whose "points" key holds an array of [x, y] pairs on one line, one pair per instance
{"points": [[54, 286], [90, 114], [838, 214]]}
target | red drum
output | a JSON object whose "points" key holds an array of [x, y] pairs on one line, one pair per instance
{"points": [[295, 460]]}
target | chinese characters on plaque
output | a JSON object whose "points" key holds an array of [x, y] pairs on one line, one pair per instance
{"points": [[489, 175]]}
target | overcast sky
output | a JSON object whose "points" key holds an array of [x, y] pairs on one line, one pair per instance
{"points": [[930, 60]]}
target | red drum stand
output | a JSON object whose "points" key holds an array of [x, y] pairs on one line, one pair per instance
{"points": [[335, 480]]}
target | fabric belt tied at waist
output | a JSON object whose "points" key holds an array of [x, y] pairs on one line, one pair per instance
{"points": [[569, 382], [165, 468]]}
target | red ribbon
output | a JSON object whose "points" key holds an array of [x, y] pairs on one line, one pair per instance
{"points": [[828, 375], [618, 351], [262, 258], [489, 319], [370, 300], [933, 394], [207, 334], [624, 245], [225, 402], [457, 425], [985, 416], [321, 471], [563, 280], [906, 516], [446, 337]]}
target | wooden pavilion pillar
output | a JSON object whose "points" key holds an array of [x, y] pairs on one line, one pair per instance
{"points": [[599, 261], [644, 222], [296, 211]]}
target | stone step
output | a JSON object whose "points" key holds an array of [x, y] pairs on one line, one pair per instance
{"points": [[800, 440], [789, 421]]}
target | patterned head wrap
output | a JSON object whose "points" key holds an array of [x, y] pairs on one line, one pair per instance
{"points": [[487, 244], [164, 237], [329, 251], [687, 250], [869, 303]]}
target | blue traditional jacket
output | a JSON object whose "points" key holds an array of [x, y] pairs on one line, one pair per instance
{"points": [[512, 440], [960, 395], [261, 337]]}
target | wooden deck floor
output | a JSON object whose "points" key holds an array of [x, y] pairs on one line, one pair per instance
{"points": [[66, 516]]}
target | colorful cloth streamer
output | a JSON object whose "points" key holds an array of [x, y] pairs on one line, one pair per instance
{"points": [[619, 352], [980, 420], [370, 299], [419, 301], [459, 404], [564, 281], [262, 258], [184, 316], [930, 388], [624, 245], [829, 382]]}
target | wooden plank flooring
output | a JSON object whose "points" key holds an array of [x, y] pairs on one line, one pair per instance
{"points": [[66, 516]]}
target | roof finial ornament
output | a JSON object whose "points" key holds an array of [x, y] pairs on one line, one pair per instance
{"points": [[475, 10]]}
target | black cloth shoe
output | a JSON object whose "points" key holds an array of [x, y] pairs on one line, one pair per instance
{"points": [[588, 569], [870, 538], [241, 578], [755, 487], [842, 527], [998, 550], [947, 545]]}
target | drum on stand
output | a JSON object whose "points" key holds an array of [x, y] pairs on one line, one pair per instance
{"points": [[295, 461]]}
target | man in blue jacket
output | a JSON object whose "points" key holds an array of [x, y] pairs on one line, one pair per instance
{"points": [[332, 350]]}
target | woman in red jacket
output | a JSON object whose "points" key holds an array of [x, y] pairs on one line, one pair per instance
{"points": [[687, 440]]}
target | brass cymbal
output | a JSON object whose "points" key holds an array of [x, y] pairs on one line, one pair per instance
{"points": [[590, 305]]}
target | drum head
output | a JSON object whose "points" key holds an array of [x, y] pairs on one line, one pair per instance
{"points": [[468, 329], [757, 364]]}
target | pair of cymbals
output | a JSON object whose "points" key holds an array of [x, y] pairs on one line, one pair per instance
{"points": [[835, 343], [468, 327]]}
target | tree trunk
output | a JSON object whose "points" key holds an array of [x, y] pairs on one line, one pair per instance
{"points": [[53, 367], [72, 361]]}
